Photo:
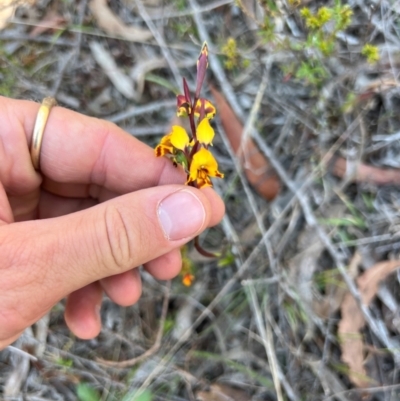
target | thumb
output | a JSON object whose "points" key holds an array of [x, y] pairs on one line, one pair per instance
{"points": [[43, 261]]}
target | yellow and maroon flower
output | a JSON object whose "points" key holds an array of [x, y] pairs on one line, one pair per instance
{"points": [[203, 166], [182, 106], [178, 139], [207, 106]]}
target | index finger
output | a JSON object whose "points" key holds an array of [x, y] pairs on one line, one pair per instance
{"points": [[87, 150]]}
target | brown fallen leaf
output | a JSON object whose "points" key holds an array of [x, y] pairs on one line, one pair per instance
{"points": [[52, 20], [369, 281], [256, 167], [366, 173], [352, 320], [222, 392], [113, 25], [351, 342]]}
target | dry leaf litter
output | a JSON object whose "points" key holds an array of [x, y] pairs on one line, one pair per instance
{"points": [[307, 305]]}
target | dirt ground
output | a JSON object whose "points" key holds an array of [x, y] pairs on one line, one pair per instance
{"points": [[304, 302]]}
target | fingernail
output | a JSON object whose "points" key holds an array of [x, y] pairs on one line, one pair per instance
{"points": [[181, 215]]}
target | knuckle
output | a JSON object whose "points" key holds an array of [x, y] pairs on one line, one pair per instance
{"points": [[118, 236]]}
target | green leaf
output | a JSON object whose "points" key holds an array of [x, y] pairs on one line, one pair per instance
{"points": [[87, 393], [135, 395], [344, 222], [180, 159], [227, 260], [162, 82], [67, 363], [368, 201]]}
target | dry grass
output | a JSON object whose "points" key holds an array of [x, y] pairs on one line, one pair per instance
{"points": [[266, 325]]}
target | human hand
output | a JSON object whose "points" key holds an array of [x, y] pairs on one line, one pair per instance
{"points": [[101, 205]]}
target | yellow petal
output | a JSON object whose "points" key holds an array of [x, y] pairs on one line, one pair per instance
{"points": [[204, 160], [205, 133], [179, 137], [166, 140], [192, 175]]}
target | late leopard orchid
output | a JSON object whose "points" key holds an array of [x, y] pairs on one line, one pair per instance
{"points": [[191, 150]]}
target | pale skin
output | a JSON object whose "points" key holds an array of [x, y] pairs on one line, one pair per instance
{"points": [[101, 205]]}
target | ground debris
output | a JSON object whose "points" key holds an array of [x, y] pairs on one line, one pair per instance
{"points": [[352, 321], [222, 392], [113, 25]]}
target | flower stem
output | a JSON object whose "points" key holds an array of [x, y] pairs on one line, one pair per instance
{"points": [[191, 119], [202, 251]]}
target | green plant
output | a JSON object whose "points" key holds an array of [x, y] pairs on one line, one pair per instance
{"points": [[267, 30], [85, 392], [65, 363], [311, 71], [323, 26], [349, 103], [180, 5], [135, 395], [326, 278], [294, 314], [182, 27], [7, 74], [233, 59], [371, 53]]}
